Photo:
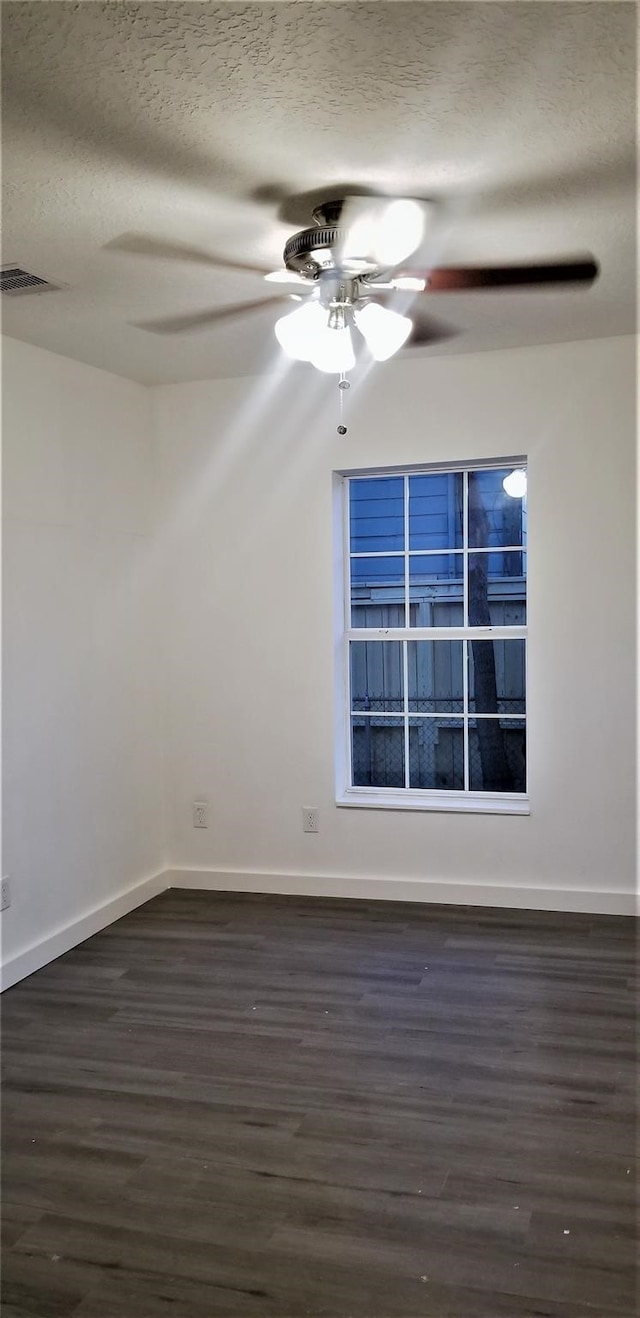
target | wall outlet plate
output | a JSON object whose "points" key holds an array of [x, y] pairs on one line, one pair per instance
{"points": [[200, 814], [5, 893], [310, 819]]}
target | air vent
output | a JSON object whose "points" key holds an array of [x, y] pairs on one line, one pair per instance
{"points": [[14, 281]]}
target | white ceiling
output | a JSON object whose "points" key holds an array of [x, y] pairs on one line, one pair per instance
{"points": [[205, 124]]}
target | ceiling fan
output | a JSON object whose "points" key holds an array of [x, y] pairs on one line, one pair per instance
{"points": [[344, 270]]}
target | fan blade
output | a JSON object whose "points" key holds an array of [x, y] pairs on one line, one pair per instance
{"points": [[204, 319], [383, 229], [453, 279], [286, 277], [426, 329], [138, 244]]}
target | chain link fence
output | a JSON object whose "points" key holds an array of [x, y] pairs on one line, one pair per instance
{"points": [[497, 757]]}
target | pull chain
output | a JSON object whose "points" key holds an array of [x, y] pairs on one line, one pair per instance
{"points": [[343, 384]]}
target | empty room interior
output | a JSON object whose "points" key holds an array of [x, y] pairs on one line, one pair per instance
{"points": [[318, 925]]}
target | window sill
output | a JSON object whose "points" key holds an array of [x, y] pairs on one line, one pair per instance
{"points": [[485, 803]]}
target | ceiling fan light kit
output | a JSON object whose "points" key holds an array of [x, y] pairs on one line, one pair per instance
{"points": [[320, 331]]}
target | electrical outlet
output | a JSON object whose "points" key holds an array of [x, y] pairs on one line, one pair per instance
{"points": [[5, 893], [310, 819], [200, 814]]}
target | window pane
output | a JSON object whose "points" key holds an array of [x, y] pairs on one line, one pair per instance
{"points": [[376, 514], [435, 511], [495, 518], [376, 676], [436, 754], [377, 592], [497, 677], [435, 590], [377, 615], [375, 572], [377, 749], [435, 676], [498, 590], [497, 755]]}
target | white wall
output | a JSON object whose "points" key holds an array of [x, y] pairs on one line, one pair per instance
{"points": [[226, 564], [247, 535], [82, 766]]}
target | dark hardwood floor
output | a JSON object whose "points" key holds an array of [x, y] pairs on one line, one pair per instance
{"points": [[237, 1105]]}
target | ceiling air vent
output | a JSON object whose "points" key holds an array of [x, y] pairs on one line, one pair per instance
{"points": [[15, 282]]}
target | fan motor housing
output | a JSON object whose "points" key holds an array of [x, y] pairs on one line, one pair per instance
{"points": [[310, 251], [315, 250]]}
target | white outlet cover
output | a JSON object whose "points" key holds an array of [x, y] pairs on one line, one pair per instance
{"points": [[200, 814]]}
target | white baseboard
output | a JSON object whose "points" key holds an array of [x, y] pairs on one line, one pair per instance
{"points": [[589, 901], [62, 940]]}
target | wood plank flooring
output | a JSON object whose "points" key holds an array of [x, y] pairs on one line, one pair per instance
{"points": [[277, 1107]]}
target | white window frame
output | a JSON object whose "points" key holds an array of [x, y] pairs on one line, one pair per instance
{"points": [[408, 798]]}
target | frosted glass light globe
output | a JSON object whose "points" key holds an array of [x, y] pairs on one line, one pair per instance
{"points": [[385, 331], [299, 331]]}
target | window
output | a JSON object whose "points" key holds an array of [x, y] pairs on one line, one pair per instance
{"points": [[433, 646]]}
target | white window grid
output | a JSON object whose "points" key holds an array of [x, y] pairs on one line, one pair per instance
{"points": [[466, 633]]}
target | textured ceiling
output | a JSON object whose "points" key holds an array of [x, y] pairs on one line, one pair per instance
{"points": [[205, 124]]}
